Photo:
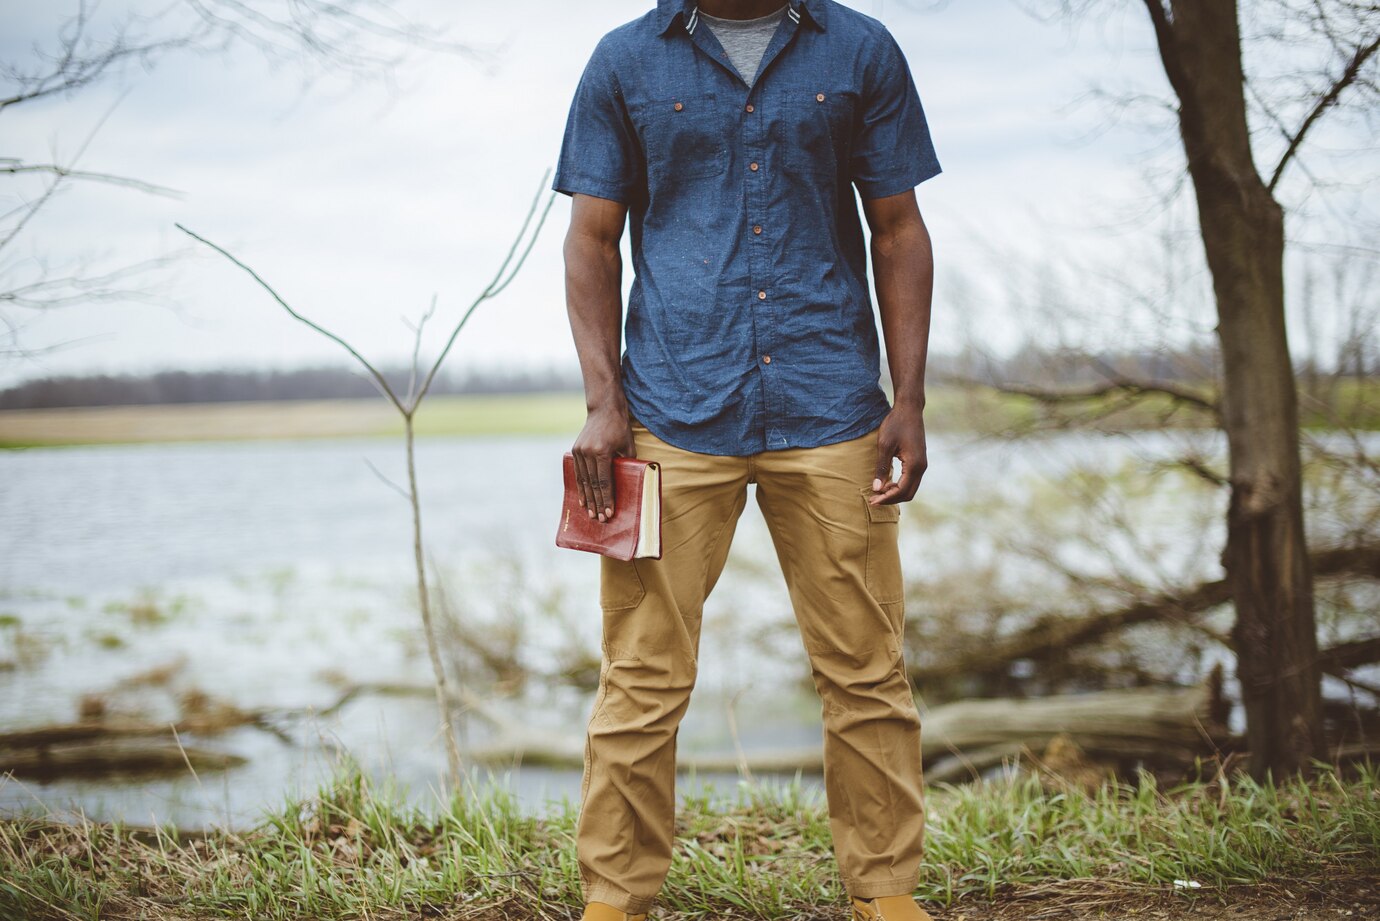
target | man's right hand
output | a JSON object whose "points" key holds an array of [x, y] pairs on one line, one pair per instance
{"points": [[607, 433]]}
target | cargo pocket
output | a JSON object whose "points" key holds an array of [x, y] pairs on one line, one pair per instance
{"points": [[883, 568], [620, 586]]}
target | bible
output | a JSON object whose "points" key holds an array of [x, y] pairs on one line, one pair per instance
{"points": [[635, 528]]}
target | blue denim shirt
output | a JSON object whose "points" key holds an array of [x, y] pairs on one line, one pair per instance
{"points": [[749, 324]]}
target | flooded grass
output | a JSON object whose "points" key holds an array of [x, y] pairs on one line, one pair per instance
{"points": [[20, 646], [149, 608], [357, 850]]}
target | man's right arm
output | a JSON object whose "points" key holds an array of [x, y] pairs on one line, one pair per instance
{"points": [[594, 301]]}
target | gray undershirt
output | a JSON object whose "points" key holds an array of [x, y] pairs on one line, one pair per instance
{"points": [[745, 40]]}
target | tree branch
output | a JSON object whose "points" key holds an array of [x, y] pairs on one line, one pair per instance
{"points": [[1117, 385], [1362, 54], [499, 282], [378, 378], [1164, 37], [1051, 635], [1345, 656], [14, 166], [360, 35]]}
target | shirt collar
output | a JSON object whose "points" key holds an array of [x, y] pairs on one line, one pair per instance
{"points": [[668, 11]]}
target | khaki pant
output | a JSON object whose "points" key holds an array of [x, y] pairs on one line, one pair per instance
{"points": [[840, 560]]}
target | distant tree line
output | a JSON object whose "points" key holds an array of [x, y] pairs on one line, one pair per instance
{"points": [[230, 385]]}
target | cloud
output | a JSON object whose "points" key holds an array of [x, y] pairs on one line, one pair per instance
{"points": [[358, 203]]}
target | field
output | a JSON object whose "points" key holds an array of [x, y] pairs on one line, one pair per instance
{"points": [[534, 414], [1348, 402]]}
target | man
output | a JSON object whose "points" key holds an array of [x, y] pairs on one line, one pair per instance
{"points": [[730, 136]]}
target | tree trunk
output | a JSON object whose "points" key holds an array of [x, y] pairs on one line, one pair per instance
{"points": [[1266, 558]]}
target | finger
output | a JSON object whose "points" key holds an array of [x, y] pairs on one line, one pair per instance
{"points": [[586, 489], [580, 479], [882, 473], [910, 479], [605, 468], [889, 495], [596, 487], [919, 467], [596, 496]]}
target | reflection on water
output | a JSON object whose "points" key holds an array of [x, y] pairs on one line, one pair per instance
{"points": [[266, 573]]}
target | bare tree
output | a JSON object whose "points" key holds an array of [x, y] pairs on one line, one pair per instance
{"points": [[1241, 222], [407, 405], [1266, 556]]}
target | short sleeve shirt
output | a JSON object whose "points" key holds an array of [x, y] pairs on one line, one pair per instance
{"points": [[749, 324]]}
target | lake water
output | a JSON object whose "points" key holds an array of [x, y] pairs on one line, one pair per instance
{"points": [[265, 573]]}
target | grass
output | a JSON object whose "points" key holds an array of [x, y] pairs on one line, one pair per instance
{"points": [[355, 850], [500, 414]]}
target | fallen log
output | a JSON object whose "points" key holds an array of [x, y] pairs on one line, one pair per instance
{"points": [[98, 747], [91, 731], [971, 765], [97, 756], [1168, 726]]}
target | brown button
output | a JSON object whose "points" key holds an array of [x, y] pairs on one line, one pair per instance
{"points": [[761, 295], [749, 107], [753, 166], [819, 97], [756, 228], [679, 106], [766, 359]]}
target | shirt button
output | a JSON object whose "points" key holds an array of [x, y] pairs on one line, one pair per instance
{"points": [[756, 228], [679, 106], [753, 166], [761, 295], [766, 359], [819, 97], [749, 107]]}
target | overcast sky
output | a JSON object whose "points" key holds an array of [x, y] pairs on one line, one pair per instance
{"points": [[359, 201]]}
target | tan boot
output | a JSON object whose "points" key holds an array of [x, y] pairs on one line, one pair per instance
{"points": [[889, 908], [602, 911]]}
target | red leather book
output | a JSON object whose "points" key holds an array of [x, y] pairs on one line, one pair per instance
{"points": [[635, 528]]}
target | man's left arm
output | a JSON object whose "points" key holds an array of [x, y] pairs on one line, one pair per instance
{"points": [[903, 266]]}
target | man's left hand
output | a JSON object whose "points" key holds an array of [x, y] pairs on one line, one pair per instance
{"points": [[902, 435]]}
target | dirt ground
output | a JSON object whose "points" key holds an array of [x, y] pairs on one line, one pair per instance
{"points": [[1355, 898], [1320, 900]]}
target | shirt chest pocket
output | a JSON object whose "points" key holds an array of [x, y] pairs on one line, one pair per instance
{"points": [[815, 130], [684, 137]]}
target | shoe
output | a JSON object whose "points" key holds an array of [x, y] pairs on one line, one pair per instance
{"points": [[889, 908], [602, 911]]}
